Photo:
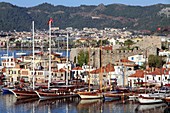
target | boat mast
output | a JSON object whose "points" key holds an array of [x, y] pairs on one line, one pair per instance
{"points": [[89, 69], [49, 78], [101, 74], [33, 55], [67, 62]]}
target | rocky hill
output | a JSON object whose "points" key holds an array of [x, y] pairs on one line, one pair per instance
{"points": [[101, 16]]}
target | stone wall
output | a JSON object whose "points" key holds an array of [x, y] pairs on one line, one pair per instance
{"points": [[111, 56], [149, 45]]}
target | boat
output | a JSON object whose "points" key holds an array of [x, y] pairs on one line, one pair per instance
{"points": [[167, 99], [93, 94], [149, 98], [135, 92], [63, 91], [90, 94], [111, 96], [23, 94], [27, 93], [6, 90]]}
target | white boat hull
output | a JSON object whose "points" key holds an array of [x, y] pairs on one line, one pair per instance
{"points": [[90, 95], [149, 101]]}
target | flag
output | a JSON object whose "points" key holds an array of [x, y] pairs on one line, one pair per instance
{"points": [[50, 21], [158, 29]]}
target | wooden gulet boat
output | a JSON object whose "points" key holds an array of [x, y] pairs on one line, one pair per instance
{"points": [[22, 93], [65, 92]]}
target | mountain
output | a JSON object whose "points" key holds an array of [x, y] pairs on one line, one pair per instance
{"points": [[101, 16]]}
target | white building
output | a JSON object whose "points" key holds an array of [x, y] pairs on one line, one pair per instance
{"points": [[157, 77], [138, 59]]}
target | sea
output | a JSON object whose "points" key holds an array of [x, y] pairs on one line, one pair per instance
{"points": [[9, 104], [13, 52]]}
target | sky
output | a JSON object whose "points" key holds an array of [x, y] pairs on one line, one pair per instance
{"points": [[30, 3]]}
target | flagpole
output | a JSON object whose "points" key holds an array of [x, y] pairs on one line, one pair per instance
{"points": [[33, 55], [49, 78]]}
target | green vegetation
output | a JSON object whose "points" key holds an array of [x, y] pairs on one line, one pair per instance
{"points": [[128, 43], [155, 61], [83, 57], [114, 15]]}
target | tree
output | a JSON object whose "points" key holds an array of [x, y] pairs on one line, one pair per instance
{"points": [[155, 61], [129, 43], [83, 57]]}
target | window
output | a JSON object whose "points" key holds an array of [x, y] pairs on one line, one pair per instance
{"points": [[134, 81], [165, 78], [40, 73], [159, 78], [153, 78], [147, 78]]}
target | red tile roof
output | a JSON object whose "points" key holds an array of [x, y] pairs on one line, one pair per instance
{"points": [[107, 47], [160, 71], [138, 74], [124, 61], [77, 68], [107, 68], [130, 65], [60, 70]]}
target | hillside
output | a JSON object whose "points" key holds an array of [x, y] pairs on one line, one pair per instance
{"points": [[101, 16]]}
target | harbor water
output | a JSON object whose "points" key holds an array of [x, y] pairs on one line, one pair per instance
{"points": [[27, 52], [9, 104]]}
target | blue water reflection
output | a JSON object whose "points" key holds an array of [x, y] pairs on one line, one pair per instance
{"points": [[9, 104]]}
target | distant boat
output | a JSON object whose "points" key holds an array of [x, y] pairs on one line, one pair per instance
{"points": [[21, 54], [59, 53]]}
